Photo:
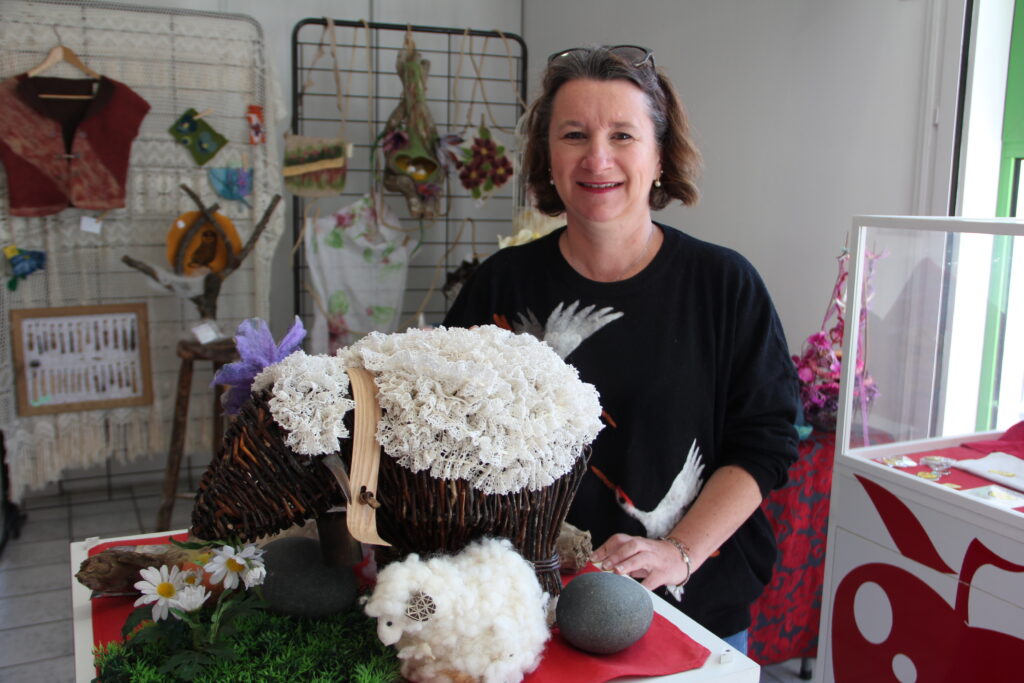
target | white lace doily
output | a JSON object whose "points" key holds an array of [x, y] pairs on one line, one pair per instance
{"points": [[497, 409], [309, 399]]}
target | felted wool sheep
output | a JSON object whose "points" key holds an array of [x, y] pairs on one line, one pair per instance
{"points": [[475, 616]]}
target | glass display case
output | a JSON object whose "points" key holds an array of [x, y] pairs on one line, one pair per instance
{"points": [[924, 576]]}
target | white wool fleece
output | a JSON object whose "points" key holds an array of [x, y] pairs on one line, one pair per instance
{"points": [[489, 619]]}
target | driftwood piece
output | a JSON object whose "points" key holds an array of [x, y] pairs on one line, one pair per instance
{"points": [[115, 570], [574, 547]]}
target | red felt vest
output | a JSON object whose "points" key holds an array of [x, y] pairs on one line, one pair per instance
{"points": [[61, 153]]}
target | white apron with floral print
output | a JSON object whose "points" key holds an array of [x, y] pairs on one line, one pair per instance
{"points": [[357, 268]]}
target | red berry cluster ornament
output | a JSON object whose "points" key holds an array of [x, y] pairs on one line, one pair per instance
{"points": [[484, 165]]}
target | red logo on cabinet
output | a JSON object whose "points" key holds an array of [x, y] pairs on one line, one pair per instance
{"points": [[929, 640]]}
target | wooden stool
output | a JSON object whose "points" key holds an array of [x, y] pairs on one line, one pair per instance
{"points": [[219, 352]]}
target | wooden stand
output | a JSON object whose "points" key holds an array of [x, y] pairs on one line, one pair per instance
{"points": [[218, 352]]}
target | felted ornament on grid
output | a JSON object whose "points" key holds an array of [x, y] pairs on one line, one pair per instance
{"points": [[409, 141], [231, 182], [318, 166], [23, 263], [195, 245], [358, 261], [197, 136], [483, 162]]}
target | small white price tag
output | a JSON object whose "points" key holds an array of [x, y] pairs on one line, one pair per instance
{"points": [[90, 224], [206, 332]]}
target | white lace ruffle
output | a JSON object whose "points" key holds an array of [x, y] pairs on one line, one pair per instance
{"points": [[309, 399], [499, 410]]}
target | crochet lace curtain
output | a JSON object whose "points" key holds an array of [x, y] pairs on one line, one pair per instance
{"points": [[175, 60]]}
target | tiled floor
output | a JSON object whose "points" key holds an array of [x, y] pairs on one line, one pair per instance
{"points": [[36, 643]]}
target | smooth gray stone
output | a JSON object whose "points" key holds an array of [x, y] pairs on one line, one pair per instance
{"points": [[603, 613], [298, 583]]}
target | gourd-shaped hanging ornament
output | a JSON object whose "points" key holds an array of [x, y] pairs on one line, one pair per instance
{"points": [[411, 165]]}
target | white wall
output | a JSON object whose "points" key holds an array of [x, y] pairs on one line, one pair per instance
{"points": [[807, 112]]}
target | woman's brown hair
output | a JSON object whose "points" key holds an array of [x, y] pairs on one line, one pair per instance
{"points": [[680, 160]]}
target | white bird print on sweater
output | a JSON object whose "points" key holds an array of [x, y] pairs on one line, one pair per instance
{"points": [[681, 494], [663, 518], [566, 328]]}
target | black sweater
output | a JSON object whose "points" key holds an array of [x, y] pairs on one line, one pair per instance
{"points": [[698, 354]]}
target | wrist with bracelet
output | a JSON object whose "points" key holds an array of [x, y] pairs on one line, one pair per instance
{"points": [[684, 552]]}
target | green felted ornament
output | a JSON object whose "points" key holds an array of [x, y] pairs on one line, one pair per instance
{"points": [[197, 136]]}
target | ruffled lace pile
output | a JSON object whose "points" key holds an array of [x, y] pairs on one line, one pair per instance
{"points": [[499, 410], [309, 399]]}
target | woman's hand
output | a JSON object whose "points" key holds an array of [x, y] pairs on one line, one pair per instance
{"points": [[657, 563]]}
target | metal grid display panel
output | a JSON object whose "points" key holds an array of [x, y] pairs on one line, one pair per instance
{"points": [[458, 99], [174, 60]]}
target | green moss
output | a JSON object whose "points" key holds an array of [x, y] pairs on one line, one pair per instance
{"points": [[269, 647]]}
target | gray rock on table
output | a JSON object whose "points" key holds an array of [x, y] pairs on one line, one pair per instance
{"points": [[603, 613]]}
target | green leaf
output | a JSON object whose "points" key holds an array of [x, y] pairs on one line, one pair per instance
{"points": [[335, 239], [485, 132], [489, 185], [476, 193], [137, 617], [188, 664], [499, 152], [195, 545], [337, 303]]}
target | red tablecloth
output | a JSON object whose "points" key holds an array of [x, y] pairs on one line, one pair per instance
{"points": [[663, 650]]}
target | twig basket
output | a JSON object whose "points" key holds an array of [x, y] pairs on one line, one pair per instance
{"points": [[423, 514], [256, 485]]}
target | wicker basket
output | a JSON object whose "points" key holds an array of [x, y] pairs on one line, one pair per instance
{"points": [[422, 514], [257, 486]]}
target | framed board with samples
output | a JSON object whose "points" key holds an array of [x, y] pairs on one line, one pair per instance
{"points": [[72, 358]]}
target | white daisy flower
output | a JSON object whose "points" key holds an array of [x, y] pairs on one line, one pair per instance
{"points": [[191, 598], [256, 573], [191, 577], [160, 586], [229, 566]]}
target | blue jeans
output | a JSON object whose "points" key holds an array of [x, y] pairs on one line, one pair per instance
{"points": [[738, 641]]}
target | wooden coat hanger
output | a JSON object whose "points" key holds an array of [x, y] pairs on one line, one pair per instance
{"points": [[58, 54]]}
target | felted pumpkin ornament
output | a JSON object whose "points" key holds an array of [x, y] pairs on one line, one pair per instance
{"points": [[196, 246], [411, 165]]}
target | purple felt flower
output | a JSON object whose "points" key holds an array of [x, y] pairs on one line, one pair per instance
{"points": [[257, 349]]}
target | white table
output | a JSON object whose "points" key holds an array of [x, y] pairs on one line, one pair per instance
{"points": [[724, 665]]}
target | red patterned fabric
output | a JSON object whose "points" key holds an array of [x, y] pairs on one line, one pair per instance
{"points": [[61, 153], [784, 620]]}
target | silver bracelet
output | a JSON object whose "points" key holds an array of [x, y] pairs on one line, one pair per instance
{"points": [[681, 547]]}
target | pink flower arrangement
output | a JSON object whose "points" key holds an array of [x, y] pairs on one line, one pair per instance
{"points": [[819, 366]]}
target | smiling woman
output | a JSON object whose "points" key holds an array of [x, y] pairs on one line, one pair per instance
{"points": [[604, 162], [678, 335]]}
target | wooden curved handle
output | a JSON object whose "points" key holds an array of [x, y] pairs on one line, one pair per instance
{"points": [[362, 508]]}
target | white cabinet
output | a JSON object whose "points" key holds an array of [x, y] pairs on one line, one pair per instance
{"points": [[924, 578]]}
